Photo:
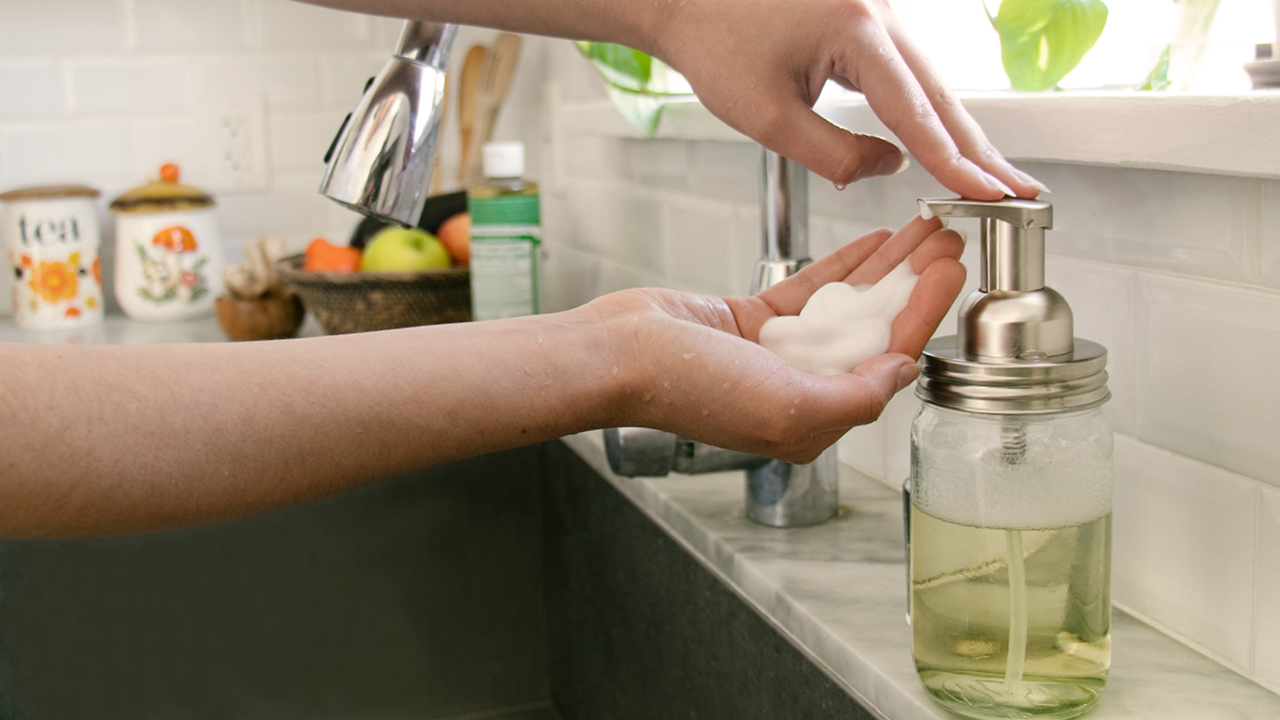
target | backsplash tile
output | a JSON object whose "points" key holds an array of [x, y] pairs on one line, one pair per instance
{"points": [[126, 87], [289, 25], [1188, 223], [97, 153], [1184, 547], [187, 25], [289, 82], [700, 246], [1267, 600], [1197, 391], [31, 88], [1101, 297], [1269, 232], [49, 27]]}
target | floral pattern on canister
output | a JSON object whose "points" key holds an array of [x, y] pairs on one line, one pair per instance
{"points": [[170, 270], [58, 288]]}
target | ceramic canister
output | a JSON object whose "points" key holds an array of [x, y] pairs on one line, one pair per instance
{"points": [[168, 257], [52, 241]]}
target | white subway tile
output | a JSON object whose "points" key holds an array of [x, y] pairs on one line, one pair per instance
{"points": [[588, 156], [98, 153], [638, 220], [296, 214], [1198, 388], [49, 27], [578, 80], [614, 277], [1267, 600], [130, 87], [289, 82], [745, 248], [700, 238], [298, 141], [191, 25], [1183, 546], [293, 25], [1269, 232], [169, 140], [31, 88], [1101, 298], [900, 193], [386, 31], [896, 421], [1188, 223], [345, 75], [863, 448], [727, 171], [589, 221], [570, 277], [861, 202], [660, 164]]}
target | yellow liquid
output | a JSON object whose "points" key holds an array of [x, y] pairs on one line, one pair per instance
{"points": [[968, 619]]}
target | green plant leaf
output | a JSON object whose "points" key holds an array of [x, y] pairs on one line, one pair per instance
{"points": [[622, 66], [1043, 40], [1158, 79]]}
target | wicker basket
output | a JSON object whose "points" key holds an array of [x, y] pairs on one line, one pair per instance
{"points": [[360, 302]]}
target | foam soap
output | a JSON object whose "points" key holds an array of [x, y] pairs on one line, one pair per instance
{"points": [[842, 325]]}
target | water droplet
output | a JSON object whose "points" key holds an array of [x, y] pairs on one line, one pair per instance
{"points": [[689, 356], [726, 386], [840, 186], [793, 411], [705, 412], [647, 397], [615, 369], [540, 339], [666, 384], [546, 382]]}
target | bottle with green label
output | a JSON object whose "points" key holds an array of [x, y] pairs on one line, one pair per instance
{"points": [[505, 236]]}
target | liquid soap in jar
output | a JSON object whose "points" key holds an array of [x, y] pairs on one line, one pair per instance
{"points": [[1010, 506]]}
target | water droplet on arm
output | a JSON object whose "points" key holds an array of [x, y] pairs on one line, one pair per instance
{"points": [[689, 356]]}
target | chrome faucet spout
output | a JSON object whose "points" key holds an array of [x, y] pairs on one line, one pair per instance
{"points": [[380, 162]]}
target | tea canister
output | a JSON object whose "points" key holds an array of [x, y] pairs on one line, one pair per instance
{"points": [[52, 241], [168, 257]]}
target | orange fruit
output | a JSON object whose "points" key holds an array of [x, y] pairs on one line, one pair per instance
{"points": [[455, 233], [322, 256]]}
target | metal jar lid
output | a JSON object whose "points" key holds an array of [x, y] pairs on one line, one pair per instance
{"points": [[1040, 386]]}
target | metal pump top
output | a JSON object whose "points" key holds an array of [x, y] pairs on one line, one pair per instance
{"points": [[1014, 352]]}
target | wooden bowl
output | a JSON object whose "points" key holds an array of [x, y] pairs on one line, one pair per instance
{"points": [[268, 318]]}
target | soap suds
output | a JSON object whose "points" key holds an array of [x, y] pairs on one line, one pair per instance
{"points": [[841, 326]]}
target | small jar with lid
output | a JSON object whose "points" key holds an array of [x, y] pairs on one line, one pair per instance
{"points": [[51, 235], [168, 256]]}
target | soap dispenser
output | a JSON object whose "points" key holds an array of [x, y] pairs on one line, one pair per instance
{"points": [[1009, 524]]}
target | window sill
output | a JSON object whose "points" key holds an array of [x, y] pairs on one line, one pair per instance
{"points": [[1224, 134]]}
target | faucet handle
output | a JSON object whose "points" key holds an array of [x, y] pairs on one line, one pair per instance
{"points": [[1024, 214]]}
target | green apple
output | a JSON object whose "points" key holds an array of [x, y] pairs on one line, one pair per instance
{"points": [[397, 249]]}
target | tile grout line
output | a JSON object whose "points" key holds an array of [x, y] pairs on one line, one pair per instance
{"points": [[1257, 557]]}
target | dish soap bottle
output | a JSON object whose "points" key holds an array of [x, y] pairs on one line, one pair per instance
{"points": [[505, 236], [1010, 504]]}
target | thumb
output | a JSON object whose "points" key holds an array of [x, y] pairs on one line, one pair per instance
{"points": [[836, 154], [862, 395]]}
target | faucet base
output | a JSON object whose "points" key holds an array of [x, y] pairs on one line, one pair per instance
{"points": [[782, 494]]}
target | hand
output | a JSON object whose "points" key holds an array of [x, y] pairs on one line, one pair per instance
{"points": [[759, 66], [692, 366]]}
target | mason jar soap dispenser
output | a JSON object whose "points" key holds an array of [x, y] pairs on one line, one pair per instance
{"points": [[1010, 497]]}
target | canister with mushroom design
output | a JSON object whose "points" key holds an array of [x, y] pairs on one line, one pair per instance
{"points": [[168, 257], [52, 241]]}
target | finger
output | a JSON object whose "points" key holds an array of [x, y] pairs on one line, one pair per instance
{"points": [[858, 398], [789, 296], [892, 252], [965, 131], [933, 295], [893, 92]]}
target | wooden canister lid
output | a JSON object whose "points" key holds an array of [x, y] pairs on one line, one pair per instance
{"points": [[49, 192]]}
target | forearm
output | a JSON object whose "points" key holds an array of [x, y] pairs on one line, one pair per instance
{"points": [[117, 440], [630, 23]]}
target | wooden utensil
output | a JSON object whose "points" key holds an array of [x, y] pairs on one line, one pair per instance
{"points": [[468, 85], [436, 180], [495, 82]]}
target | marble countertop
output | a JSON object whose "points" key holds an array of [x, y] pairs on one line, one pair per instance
{"points": [[120, 330], [839, 592]]}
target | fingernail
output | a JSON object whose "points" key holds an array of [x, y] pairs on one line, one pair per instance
{"points": [[892, 164], [995, 182], [907, 374], [1024, 177], [964, 235]]}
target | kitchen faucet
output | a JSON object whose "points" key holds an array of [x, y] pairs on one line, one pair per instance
{"points": [[779, 494], [380, 162]]}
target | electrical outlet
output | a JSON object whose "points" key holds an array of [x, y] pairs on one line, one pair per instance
{"points": [[236, 138]]}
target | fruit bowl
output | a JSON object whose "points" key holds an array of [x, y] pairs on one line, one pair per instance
{"points": [[367, 301]]}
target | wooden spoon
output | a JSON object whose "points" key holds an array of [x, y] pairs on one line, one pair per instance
{"points": [[495, 82], [468, 85]]}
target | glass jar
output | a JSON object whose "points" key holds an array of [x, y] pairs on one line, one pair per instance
{"points": [[1010, 551]]}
